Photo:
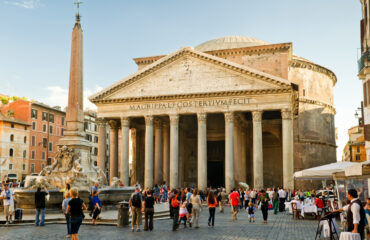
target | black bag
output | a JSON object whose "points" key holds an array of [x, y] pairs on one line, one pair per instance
{"points": [[136, 200], [18, 214]]}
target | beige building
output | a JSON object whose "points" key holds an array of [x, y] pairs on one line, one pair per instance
{"points": [[233, 109], [354, 150]]}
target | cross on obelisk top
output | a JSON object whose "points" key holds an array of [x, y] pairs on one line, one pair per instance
{"points": [[78, 6]]}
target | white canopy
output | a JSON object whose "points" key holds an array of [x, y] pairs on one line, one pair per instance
{"points": [[324, 171], [355, 170]]}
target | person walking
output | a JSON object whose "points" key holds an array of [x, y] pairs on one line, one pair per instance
{"points": [[135, 204], [234, 199], [254, 196], [212, 203], [156, 192], [149, 211], [275, 200], [75, 208], [40, 206], [282, 196], [175, 210], [96, 203], [7, 196], [197, 207], [264, 201], [66, 214], [223, 200]]}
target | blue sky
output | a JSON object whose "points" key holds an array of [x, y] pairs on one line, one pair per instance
{"points": [[35, 39]]}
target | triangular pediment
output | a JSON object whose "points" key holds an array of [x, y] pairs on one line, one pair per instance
{"points": [[190, 72]]}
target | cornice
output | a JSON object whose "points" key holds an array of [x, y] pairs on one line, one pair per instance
{"points": [[311, 141], [297, 63], [189, 52], [147, 60], [319, 103], [196, 95]]}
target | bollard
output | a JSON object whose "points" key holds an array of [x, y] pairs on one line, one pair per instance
{"points": [[123, 214]]}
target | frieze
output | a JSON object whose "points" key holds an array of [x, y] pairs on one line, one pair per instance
{"points": [[315, 102], [314, 67]]}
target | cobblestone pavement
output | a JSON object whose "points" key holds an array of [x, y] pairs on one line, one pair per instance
{"points": [[280, 226]]}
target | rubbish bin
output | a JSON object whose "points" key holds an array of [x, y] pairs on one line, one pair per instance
{"points": [[123, 214]]}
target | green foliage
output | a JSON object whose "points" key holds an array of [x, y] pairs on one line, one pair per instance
{"points": [[4, 100]]}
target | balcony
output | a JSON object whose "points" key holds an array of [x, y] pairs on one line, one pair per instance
{"points": [[361, 62]]}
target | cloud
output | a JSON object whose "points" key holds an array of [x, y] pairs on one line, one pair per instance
{"points": [[28, 4], [58, 96]]}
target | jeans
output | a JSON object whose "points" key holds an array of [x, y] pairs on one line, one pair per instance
{"points": [[175, 224], [281, 204], [148, 223], [212, 211], [42, 211], [264, 210], [68, 221]]}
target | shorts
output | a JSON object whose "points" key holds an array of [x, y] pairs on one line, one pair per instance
{"points": [[236, 208], [96, 213], [8, 210], [75, 224], [250, 215]]}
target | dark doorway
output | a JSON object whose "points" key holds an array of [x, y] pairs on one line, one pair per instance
{"points": [[216, 163]]}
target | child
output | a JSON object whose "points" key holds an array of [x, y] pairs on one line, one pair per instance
{"points": [[183, 215], [250, 211]]}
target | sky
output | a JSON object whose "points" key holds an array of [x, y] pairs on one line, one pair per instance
{"points": [[35, 41]]}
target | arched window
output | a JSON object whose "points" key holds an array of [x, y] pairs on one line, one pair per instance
{"points": [[25, 139], [11, 152], [11, 137], [24, 153]]}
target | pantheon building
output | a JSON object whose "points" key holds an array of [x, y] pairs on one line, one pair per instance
{"points": [[233, 109]]}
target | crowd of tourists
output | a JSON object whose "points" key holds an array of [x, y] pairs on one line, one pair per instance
{"points": [[186, 204]]}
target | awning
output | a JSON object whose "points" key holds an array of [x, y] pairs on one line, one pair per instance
{"points": [[322, 172], [12, 176], [355, 170]]}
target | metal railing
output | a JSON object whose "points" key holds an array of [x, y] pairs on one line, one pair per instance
{"points": [[361, 62]]}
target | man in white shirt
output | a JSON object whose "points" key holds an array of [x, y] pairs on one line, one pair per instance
{"points": [[355, 213], [282, 197], [7, 196]]}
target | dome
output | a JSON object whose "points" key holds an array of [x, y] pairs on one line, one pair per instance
{"points": [[229, 42]]}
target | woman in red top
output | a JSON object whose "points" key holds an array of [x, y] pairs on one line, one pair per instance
{"points": [[319, 203], [212, 204]]}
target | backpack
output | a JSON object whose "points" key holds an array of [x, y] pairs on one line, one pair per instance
{"points": [[136, 200], [175, 202]]}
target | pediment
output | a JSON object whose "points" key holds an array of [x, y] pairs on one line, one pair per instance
{"points": [[190, 72]]}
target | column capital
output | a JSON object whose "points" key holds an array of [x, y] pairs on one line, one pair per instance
{"points": [[157, 123], [125, 121], [113, 124], [286, 114], [257, 116], [149, 120], [229, 116], [174, 119], [202, 117], [164, 124], [101, 121]]}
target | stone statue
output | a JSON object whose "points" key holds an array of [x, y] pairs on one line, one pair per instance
{"points": [[115, 182]]}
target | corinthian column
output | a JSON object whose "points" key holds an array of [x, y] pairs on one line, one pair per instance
{"points": [[174, 151], [125, 166], [288, 165], [148, 175], [166, 153], [257, 149], [102, 144], [229, 151], [202, 151], [113, 161], [158, 152]]}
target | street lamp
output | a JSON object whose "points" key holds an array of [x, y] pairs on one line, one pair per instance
{"points": [[358, 115]]}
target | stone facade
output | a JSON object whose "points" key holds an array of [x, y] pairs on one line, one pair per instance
{"points": [[233, 110]]}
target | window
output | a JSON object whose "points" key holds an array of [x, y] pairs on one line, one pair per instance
{"points": [[51, 118], [62, 132], [43, 155], [358, 149], [44, 116], [51, 129], [42, 166], [86, 126], [34, 113], [33, 155], [50, 146], [12, 125], [95, 151], [95, 127], [24, 167], [48, 161], [25, 128], [62, 121], [304, 92], [95, 139], [33, 141], [33, 125], [10, 166], [24, 154], [25, 139], [358, 157], [11, 137], [32, 167], [11, 152], [44, 128], [44, 142]]}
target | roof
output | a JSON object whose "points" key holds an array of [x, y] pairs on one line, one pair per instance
{"points": [[13, 120], [229, 42]]}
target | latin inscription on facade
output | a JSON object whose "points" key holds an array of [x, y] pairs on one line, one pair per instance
{"points": [[191, 104]]}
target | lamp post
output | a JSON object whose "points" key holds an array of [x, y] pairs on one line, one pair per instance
{"points": [[359, 115]]}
